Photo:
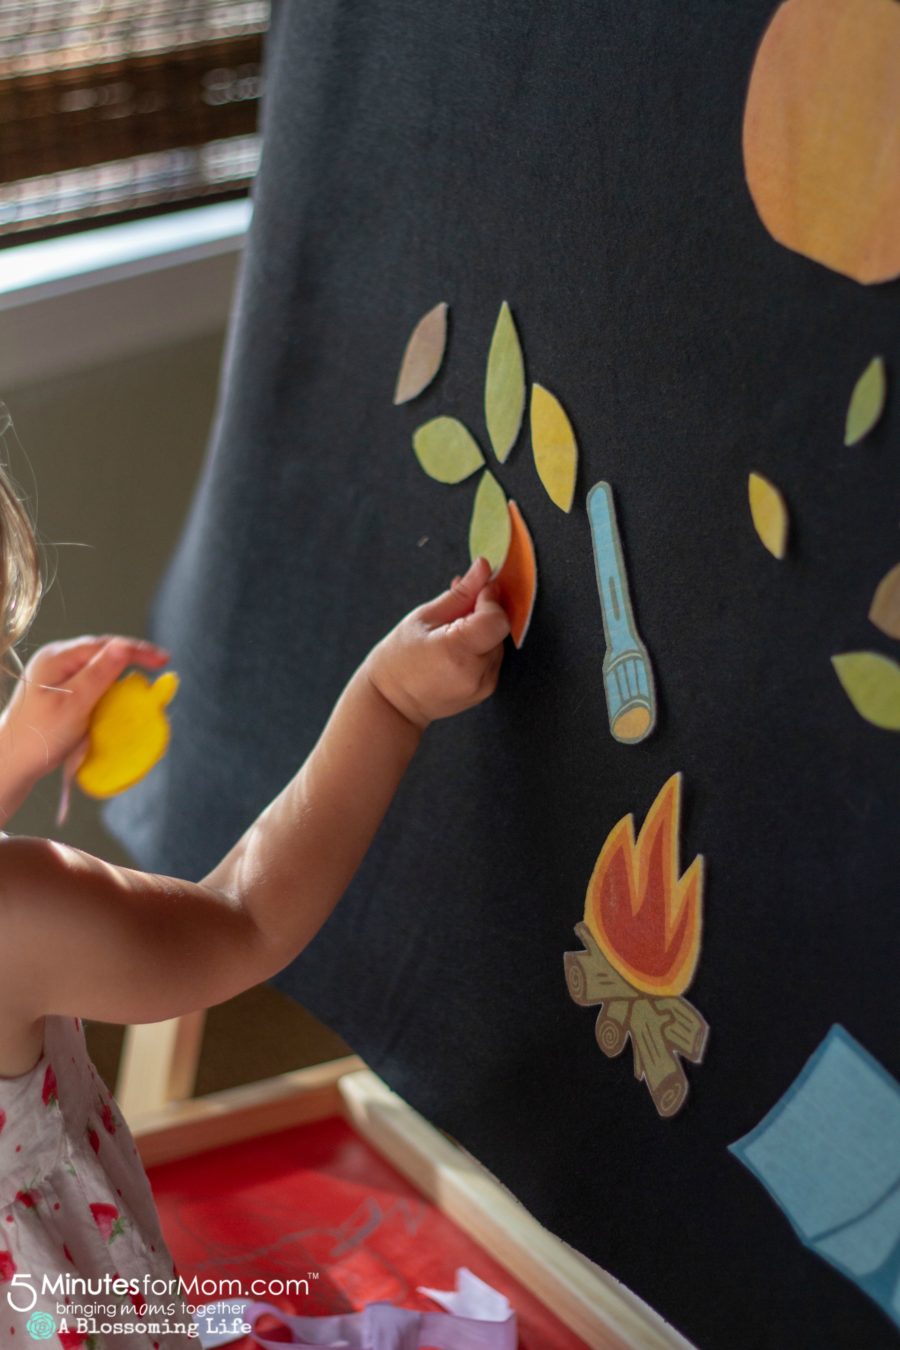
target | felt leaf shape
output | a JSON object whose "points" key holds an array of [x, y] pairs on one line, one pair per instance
{"points": [[423, 355], [884, 611], [821, 134], [129, 733], [490, 531], [504, 388], [517, 578], [554, 447], [866, 401], [447, 450], [872, 684], [770, 515]]}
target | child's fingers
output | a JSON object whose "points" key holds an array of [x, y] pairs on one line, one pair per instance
{"points": [[490, 672], [104, 668], [61, 660], [459, 599], [482, 630], [71, 765]]}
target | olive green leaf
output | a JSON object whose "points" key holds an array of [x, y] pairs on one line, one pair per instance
{"points": [[866, 401], [490, 530], [447, 450], [872, 684], [504, 387]]}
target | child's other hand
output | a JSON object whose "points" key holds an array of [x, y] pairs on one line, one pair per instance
{"points": [[45, 723], [445, 656]]}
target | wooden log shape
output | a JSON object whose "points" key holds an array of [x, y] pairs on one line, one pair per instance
{"points": [[661, 1029], [685, 1030], [590, 977], [612, 1029], [654, 1059]]}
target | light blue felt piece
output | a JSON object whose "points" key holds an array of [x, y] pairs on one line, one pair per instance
{"points": [[829, 1155], [627, 672]]}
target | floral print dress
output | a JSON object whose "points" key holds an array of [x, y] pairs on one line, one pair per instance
{"points": [[75, 1202]]}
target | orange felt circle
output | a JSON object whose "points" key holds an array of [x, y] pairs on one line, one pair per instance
{"points": [[822, 134], [516, 581], [632, 724]]}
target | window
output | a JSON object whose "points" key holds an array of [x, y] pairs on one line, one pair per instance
{"points": [[111, 109]]}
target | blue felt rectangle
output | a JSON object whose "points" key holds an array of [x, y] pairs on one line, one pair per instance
{"points": [[829, 1155]]}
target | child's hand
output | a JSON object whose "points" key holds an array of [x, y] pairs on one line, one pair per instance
{"points": [[46, 721], [445, 656]]}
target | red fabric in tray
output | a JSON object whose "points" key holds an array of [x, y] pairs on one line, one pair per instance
{"points": [[318, 1202]]}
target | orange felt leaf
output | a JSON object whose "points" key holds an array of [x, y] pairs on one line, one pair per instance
{"points": [[516, 581], [822, 134]]}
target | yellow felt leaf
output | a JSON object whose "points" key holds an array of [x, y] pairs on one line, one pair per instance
{"points": [[504, 387], [872, 684], [770, 515], [447, 450], [885, 608], [490, 530], [554, 447], [866, 401], [129, 733], [424, 354]]}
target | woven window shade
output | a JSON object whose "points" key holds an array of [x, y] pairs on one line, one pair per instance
{"points": [[115, 108]]}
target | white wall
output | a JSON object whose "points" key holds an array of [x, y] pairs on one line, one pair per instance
{"points": [[109, 365], [115, 451]]}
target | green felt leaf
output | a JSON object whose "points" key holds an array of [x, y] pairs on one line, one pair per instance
{"points": [[504, 386], [447, 450], [872, 684], [490, 530], [866, 401]]}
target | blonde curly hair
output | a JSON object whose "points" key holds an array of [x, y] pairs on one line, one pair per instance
{"points": [[21, 580]]}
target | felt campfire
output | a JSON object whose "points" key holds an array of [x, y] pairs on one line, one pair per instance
{"points": [[641, 936]]}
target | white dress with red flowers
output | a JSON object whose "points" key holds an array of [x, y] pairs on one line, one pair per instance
{"points": [[75, 1202]]}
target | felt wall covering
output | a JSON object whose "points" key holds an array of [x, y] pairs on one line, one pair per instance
{"points": [[584, 162]]}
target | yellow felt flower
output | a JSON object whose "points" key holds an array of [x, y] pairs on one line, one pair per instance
{"points": [[129, 733]]}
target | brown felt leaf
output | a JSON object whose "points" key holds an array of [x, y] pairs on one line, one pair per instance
{"points": [[424, 354], [885, 608]]}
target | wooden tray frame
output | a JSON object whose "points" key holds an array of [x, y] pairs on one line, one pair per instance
{"points": [[160, 1060]]}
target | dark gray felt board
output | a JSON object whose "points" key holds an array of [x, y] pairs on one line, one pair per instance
{"points": [[582, 161]]}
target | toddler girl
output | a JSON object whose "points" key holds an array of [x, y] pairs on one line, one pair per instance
{"points": [[82, 938]]}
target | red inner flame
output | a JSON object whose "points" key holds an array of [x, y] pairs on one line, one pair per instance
{"points": [[645, 918]]}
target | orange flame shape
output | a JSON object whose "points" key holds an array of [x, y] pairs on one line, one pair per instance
{"points": [[644, 917]]}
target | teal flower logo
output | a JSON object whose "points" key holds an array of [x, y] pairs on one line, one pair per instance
{"points": [[41, 1326]]}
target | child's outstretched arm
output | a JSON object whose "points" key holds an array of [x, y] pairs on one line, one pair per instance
{"points": [[83, 937]]}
